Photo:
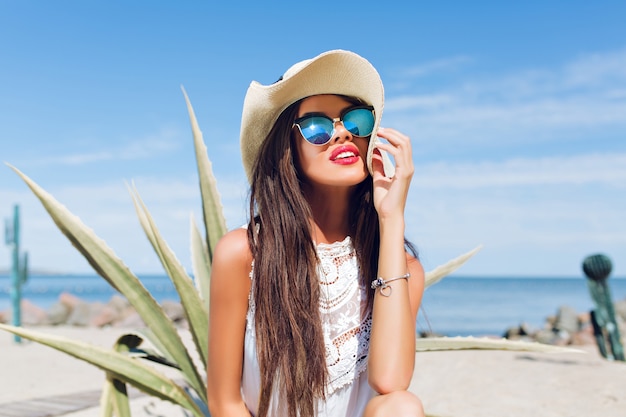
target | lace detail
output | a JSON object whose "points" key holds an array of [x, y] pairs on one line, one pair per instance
{"points": [[346, 322]]}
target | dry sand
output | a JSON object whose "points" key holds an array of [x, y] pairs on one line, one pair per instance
{"points": [[452, 383]]}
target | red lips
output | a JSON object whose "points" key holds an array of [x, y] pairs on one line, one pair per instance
{"points": [[345, 154]]}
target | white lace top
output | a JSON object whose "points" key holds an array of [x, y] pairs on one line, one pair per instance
{"points": [[346, 323]]}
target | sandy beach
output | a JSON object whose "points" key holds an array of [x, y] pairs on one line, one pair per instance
{"points": [[452, 383]]}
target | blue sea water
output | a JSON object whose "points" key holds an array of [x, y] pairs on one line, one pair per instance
{"points": [[488, 306], [44, 290], [454, 306]]}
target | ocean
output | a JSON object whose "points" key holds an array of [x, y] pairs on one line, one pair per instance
{"points": [[455, 306]]}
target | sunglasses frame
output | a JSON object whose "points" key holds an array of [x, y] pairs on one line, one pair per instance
{"points": [[333, 121]]}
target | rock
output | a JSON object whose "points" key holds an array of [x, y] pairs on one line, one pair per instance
{"points": [[119, 303], [131, 320], [107, 315], [79, 315], [183, 324], [511, 333], [58, 313], [584, 319], [84, 312], [583, 337], [566, 320], [70, 300], [429, 333], [550, 322], [546, 336], [32, 314], [563, 338], [523, 331], [173, 310]]}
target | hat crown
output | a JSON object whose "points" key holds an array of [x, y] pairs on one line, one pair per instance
{"points": [[295, 68]]}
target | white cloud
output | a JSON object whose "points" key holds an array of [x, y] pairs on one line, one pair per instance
{"points": [[606, 169], [550, 211], [146, 148], [446, 64], [427, 102], [530, 105], [167, 140], [545, 232], [596, 69]]}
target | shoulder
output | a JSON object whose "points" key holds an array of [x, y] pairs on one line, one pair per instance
{"points": [[414, 263], [234, 244], [415, 269], [232, 258], [416, 282]]}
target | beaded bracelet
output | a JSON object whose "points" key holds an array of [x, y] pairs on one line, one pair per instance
{"points": [[383, 284]]}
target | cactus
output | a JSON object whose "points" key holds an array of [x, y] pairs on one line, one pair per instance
{"points": [[19, 267], [597, 268]]}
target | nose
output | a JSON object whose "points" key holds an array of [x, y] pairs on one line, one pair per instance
{"points": [[340, 133]]}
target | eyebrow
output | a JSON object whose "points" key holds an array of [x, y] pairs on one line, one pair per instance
{"points": [[315, 113], [341, 113]]}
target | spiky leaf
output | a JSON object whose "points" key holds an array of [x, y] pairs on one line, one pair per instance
{"points": [[201, 264], [114, 398], [145, 378], [437, 274], [214, 220], [116, 273], [466, 343], [190, 299]]}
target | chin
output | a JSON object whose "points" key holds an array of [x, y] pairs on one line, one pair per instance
{"points": [[351, 180]]}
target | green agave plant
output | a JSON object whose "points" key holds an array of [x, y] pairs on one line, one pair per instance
{"points": [[128, 363]]}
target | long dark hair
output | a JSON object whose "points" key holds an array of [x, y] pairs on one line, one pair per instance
{"points": [[285, 287]]}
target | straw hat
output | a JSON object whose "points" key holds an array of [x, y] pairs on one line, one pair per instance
{"points": [[333, 72]]}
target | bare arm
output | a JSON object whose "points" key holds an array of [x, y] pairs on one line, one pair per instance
{"points": [[392, 343], [230, 285]]}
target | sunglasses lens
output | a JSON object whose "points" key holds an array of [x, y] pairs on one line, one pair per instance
{"points": [[360, 122], [316, 130]]}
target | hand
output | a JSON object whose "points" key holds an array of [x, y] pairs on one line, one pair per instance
{"points": [[390, 194]]}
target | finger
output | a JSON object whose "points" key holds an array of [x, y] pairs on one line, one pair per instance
{"points": [[393, 136], [388, 147], [401, 156], [395, 139]]}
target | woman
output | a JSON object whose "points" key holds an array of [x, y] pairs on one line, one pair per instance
{"points": [[313, 305]]}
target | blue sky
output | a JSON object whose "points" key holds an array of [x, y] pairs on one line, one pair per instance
{"points": [[517, 115]]}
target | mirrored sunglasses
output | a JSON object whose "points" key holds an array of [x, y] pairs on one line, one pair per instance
{"points": [[318, 129]]}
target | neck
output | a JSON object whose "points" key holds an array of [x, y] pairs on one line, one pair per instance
{"points": [[330, 210]]}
